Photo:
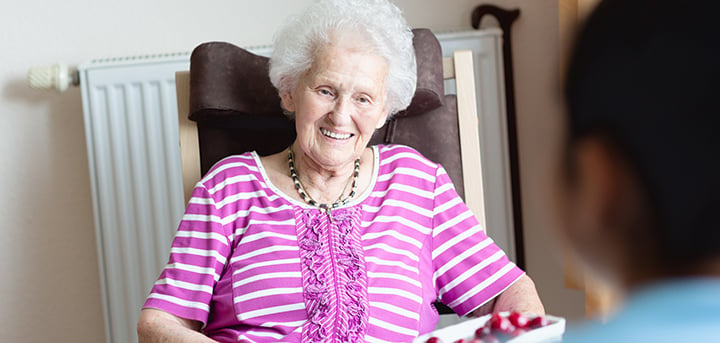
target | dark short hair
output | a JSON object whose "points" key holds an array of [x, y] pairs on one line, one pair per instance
{"points": [[645, 74]]}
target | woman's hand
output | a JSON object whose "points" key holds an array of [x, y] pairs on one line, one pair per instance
{"points": [[160, 326], [520, 296]]}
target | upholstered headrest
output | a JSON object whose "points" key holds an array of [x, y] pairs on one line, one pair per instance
{"points": [[430, 90], [226, 80]]}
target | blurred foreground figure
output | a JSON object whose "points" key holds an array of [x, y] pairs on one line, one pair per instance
{"points": [[640, 182]]}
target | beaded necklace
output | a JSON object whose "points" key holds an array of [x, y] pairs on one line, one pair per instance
{"points": [[323, 206]]}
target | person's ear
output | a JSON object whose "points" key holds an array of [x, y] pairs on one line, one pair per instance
{"points": [[383, 119], [606, 210], [603, 183], [288, 102]]}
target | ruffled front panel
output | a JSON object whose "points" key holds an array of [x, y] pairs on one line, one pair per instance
{"points": [[334, 276]]}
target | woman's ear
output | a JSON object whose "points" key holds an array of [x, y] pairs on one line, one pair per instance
{"points": [[287, 101], [383, 120]]}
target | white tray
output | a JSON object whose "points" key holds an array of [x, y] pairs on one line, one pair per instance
{"points": [[466, 330]]}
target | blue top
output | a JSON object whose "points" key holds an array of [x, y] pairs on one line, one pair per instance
{"points": [[683, 310]]}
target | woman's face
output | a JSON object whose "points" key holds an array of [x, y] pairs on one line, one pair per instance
{"points": [[338, 104]]}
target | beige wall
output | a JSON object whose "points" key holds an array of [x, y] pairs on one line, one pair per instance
{"points": [[50, 289]]}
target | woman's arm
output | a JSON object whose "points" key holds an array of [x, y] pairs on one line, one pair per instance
{"points": [[521, 296], [156, 326]]}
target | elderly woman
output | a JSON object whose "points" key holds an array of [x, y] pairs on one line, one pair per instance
{"points": [[331, 240]]}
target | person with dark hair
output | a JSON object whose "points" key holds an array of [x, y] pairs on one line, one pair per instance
{"points": [[640, 182]]}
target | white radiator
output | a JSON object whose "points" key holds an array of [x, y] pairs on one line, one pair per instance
{"points": [[131, 127]]}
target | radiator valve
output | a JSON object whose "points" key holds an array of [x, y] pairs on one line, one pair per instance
{"points": [[57, 76]]}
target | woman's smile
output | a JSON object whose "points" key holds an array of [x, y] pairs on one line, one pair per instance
{"points": [[336, 135]]}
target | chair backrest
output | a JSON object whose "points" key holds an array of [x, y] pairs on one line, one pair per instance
{"points": [[227, 105]]}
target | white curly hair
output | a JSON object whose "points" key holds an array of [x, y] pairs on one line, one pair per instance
{"points": [[379, 21]]}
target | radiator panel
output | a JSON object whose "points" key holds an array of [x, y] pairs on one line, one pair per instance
{"points": [[131, 129]]}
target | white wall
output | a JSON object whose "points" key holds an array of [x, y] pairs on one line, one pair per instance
{"points": [[50, 288]]}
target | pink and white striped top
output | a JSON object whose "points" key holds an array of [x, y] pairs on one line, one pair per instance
{"points": [[254, 265]]}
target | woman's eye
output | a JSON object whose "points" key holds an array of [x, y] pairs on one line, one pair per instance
{"points": [[363, 100], [325, 92]]}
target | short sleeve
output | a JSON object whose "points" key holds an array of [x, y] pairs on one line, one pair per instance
{"points": [[198, 255], [470, 269]]}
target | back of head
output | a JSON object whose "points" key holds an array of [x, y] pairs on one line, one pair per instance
{"points": [[380, 22], [645, 74]]}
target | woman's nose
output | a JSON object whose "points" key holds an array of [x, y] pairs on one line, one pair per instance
{"points": [[342, 110]]}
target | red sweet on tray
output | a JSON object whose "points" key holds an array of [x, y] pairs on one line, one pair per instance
{"points": [[500, 328]]}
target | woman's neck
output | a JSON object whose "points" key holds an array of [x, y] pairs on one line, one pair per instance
{"points": [[325, 185]]}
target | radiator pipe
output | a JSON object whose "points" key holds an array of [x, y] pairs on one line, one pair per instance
{"points": [[56, 76]]}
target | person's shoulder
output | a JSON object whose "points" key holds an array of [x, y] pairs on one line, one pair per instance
{"points": [[231, 166], [685, 310], [636, 331], [399, 154]]}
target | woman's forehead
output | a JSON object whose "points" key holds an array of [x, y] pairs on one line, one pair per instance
{"points": [[339, 64]]}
